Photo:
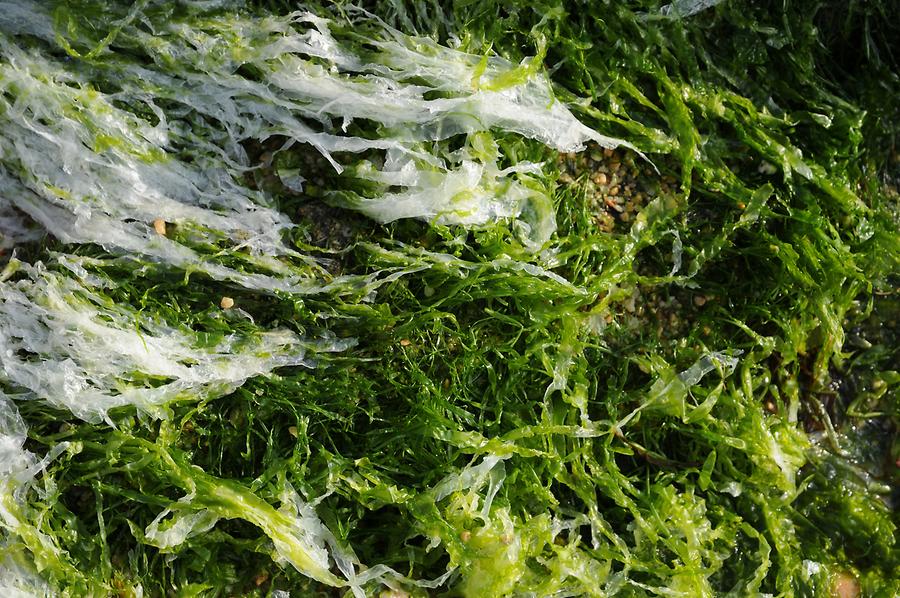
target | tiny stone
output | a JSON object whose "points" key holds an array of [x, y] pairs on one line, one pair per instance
{"points": [[600, 178], [699, 300], [226, 303], [159, 225], [405, 342], [465, 536], [614, 191], [845, 586]]}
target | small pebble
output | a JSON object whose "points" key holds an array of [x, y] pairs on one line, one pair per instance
{"points": [[159, 225], [845, 586], [226, 303]]}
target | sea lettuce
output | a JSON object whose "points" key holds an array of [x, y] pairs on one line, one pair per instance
{"points": [[415, 298]]}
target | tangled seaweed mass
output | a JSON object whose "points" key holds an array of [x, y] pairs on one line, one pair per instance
{"points": [[472, 298]]}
